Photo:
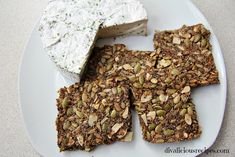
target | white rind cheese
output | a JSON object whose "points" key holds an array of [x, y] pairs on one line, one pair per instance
{"points": [[117, 12], [69, 28]]}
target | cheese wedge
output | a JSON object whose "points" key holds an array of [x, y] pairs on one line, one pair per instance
{"points": [[70, 28]]}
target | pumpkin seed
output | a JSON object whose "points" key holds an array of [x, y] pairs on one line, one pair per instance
{"points": [[168, 132], [92, 119], [66, 125], [160, 141], [79, 103], [127, 67], [125, 113], [165, 63], [183, 112], [80, 139], [190, 110], [188, 119], [162, 97], [137, 85], [78, 113], [187, 42], [176, 99], [114, 90], [148, 136], [119, 90], [152, 126], [176, 40], [141, 79], [197, 38], [116, 127], [167, 107], [146, 98], [137, 68], [84, 97], [104, 126], [128, 137], [154, 80], [89, 88], [203, 43], [158, 128], [161, 112], [109, 66], [151, 115], [69, 111], [186, 89], [143, 116], [74, 124], [148, 77], [107, 110], [171, 91], [175, 72], [132, 78], [65, 102], [168, 80], [113, 114]]}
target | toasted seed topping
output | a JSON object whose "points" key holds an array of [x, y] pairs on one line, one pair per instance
{"points": [[188, 119], [92, 119], [65, 102], [160, 82], [176, 40], [144, 118], [186, 89], [116, 127]]}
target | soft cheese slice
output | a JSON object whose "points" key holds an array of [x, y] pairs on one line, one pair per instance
{"points": [[69, 28], [123, 17]]}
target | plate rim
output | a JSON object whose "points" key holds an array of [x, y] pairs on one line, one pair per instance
{"points": [[224, 96], [19, 88], [220, 54]]}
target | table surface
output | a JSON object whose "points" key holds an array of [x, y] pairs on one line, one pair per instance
{"points": [[17, 19]]}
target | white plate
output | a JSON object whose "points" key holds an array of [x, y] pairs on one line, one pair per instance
{"points": [[39, 81]]}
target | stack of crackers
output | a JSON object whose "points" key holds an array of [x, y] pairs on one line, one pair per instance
{"points": [[157, 84]]}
